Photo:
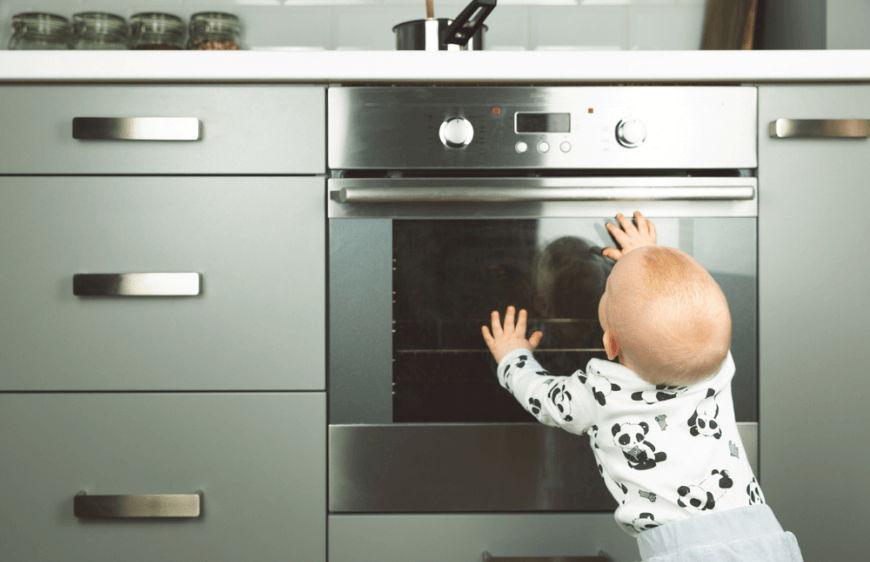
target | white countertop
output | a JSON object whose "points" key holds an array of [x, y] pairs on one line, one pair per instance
{"points": [[530, 67]]}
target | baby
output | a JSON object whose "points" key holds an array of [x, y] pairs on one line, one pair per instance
{"points": [[661, 421]]}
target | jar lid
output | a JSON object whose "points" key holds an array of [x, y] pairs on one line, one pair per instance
{"points": [[213, 22], [99, 24], [39, 23]]}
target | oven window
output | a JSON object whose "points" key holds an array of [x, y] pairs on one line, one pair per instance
{"points": [[449, 275]]}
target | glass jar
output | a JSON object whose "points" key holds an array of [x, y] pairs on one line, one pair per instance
{"points": [[99, 31], [214, 31], [156, 31], [39, 30]]}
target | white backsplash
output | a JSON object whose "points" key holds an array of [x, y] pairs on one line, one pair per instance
{"points": [[367, 24]]}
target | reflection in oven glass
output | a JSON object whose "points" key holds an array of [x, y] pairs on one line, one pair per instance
{"points": [[450, 275]]}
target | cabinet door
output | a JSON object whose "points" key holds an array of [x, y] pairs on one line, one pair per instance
{"points": [[259, 461], [206, 129], [464, 538], [257, 244], [814, 267]]}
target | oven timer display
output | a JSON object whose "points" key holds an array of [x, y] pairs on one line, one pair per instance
{"points": [[543, 123]]}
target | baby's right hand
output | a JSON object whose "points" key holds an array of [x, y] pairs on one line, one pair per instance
{"points": [[643, 235]]}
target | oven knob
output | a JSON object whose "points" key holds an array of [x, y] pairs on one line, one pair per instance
{"points": [[456, 132], [630, 132]]}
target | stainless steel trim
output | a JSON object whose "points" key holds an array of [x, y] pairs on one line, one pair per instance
{"points": [[814, 128], [458, 194], [136, 284], [448, 468], [681, 197], [137, 128], [156, 505], [601, 557]]}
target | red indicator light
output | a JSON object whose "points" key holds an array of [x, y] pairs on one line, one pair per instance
{"points": [[590, 110], [495, 110]]}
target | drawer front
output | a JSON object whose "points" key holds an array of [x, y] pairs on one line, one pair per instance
{"points": [[243, 129], [258, 459], [258, 245], [464, 538]]}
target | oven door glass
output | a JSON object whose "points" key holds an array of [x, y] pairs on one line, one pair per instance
{"points": [[408, 298]]}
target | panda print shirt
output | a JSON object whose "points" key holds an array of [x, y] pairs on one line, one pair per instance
{"points": [[666, 453]]}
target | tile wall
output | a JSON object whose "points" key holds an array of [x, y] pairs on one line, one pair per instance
{"points": [[367, 24]]}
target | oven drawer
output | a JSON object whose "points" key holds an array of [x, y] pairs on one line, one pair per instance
{"points": [[255, 245], [464, 538], [257, 459], [241, 129]]}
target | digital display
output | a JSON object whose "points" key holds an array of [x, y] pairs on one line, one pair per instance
{"points": [[543, 122]]}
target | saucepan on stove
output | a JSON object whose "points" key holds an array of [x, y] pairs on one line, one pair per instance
{"points": [[465, 33]]}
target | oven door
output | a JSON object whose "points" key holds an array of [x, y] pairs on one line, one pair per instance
{"points": [[417, 420]]}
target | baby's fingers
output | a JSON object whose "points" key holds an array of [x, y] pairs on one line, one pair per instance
{"points": [[496, 325], [509, 320], [490, 342], [535, 340]]}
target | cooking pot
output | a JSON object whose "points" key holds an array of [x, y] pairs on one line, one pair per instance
{"points": [[444, 34]]}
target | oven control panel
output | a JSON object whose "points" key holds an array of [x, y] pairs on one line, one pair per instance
{"points": [[644, 127]]}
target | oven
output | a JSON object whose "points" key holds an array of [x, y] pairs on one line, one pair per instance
{"points": [[446, 203]]}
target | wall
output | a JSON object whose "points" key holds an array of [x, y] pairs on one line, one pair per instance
{"points": [[815, 24], [367, 24]]}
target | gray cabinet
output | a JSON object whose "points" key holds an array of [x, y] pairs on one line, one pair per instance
{"points": [[242, 129], [256, 242], [814, 266], [258, 460], [464, 538]]}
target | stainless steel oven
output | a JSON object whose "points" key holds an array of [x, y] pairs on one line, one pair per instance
{"points": [[446, 203]]}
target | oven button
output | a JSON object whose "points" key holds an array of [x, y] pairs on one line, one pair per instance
{"points": [[456, 132], [630, 132], [543, 146], [522, 147], [565, 146]]}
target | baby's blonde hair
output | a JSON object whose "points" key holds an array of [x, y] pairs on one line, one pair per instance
{"points": [[671, 319]]}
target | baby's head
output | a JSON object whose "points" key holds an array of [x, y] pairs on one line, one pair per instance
{"points": [[665, 317]]}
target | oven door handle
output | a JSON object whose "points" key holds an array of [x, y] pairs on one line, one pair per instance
{"points": [[456, 194]]}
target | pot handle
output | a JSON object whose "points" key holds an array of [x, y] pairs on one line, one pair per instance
{"points": [[456, 33]]}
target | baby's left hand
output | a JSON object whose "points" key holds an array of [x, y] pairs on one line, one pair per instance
{"points": [[502, 342]]}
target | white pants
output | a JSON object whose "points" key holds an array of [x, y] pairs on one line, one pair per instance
{"points": [[742, 534]]}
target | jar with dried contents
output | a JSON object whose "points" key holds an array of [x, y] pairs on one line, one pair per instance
{"points": [[100, 31], [214, 31], [40, 30], [156, 31]]}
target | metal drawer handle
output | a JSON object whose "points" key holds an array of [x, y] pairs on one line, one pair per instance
{"points": [[815, 128], [156, 505], [136, 128], [601, 557], [136, 284], [538, 194]]}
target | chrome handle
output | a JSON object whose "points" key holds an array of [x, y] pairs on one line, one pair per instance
{"points": [[156, 505], [136, 284], [537, 194], [815, 128], [601, 557], [136, 128]]}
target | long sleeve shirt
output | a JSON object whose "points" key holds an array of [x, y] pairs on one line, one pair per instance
{"points": [[665, 452]]}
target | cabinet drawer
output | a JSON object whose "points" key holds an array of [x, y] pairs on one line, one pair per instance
{"points": [[464, 538], [258, 459], [258, 245], [242, 129]]}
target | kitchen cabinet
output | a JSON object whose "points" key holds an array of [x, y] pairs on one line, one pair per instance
{"points": [[258, 459], [464, 538], [814, 266], [257, 244]]}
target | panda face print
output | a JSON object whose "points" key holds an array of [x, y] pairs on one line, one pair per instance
{"points": [[598, 385], [643, 522], [753, 490], [560, 396], [703, 496], [703, 420], [640, 453], [661, 393]]}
